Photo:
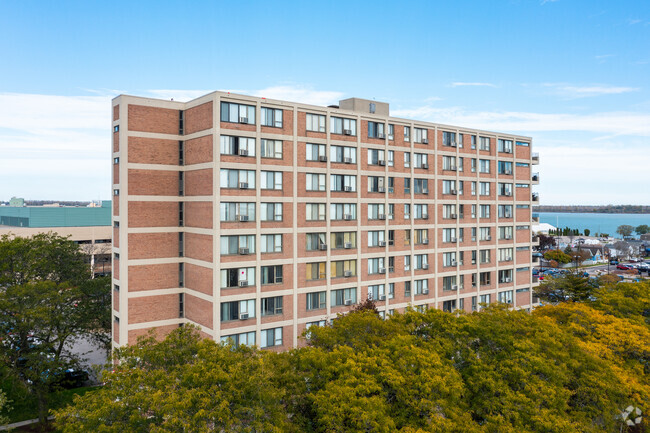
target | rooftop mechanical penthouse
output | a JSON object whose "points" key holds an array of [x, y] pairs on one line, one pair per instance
{"points": [[255, 218]]}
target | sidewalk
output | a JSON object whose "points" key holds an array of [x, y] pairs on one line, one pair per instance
{"points": [[21, 423]]}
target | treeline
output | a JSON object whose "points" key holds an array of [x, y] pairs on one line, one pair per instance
{"points": [[610, 208], [572, 367]]}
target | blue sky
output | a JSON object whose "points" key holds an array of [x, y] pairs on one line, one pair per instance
{"points": [[572, 74]]}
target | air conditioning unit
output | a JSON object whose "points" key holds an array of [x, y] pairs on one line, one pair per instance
{"points": [[242, 218], [382, 297], [488, 238], [453, 216], [425, 216], [347, 160], [454, 240], [347, 302], [347, 132], [382, 243], [322, 247], [381, 189], [243, 316], [381, 135], [243, 185], [243, 152], [425, 241], [508, 259], [425, 266], [382, 162], [460, 263], [507, 172], [453, 168], [381, 216], [454, 287], [507, 280], [382, 270], [243, 120], [507, 193], [507, 237], [244, 251], [322, 158], [347, 188], [347, 245], [425, 166], [425, 141], [453, 144], [347, 217], [454, 263], [425, 291], [347, 273], [243, 283], [454, 192]]}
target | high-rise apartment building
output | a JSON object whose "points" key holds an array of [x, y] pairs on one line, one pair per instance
{"points": [[255, 218]]}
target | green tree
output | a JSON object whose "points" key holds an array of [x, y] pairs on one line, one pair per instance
{"points": [[625, 230], [587, 232], [570, 287], [567, 250], [642, 229], [47, 300], [558, 256]]}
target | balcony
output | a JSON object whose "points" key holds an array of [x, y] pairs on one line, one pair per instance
{"points": [[535, 178], [535, 197], [535, 158]]}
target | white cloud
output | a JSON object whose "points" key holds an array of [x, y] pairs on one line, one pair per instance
{"points": [[473, 84], [573, 92]]}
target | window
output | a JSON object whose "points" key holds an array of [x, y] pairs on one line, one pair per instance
{"points": [[461, 138], [484, 211], [522, 185], [420, 135], [449, 235], [344, 154], [522, 164], [505, 297], [449, 283], [407, 185], [525, 248], [315, 122], [116, 160], [449, 187], [504, 146], [523, 206], [505, 276], [522, 143], [460, 163], [237, 211], [230, 178], [473, 187], [505, 254], [237, 310], [271, 306], [407, 159], [315, 211], [340, 125], [271, 212], [505, 211], [271, 117], [484, 188], [271, 179], [377, 292], [473, 165], [421, 287], [421, 186], [484, 278], [484, 165], [375, 130], [376, 211], [316, 152], [449, 163], [407, 211], [245, 339], [237, 277], [271, 337], [271, 148], [473, 141], [376, 238], [343, 211], [449, 139], [376, 157], [376, 266], [484, 256], [116, 192], [346, 183], [343, 268], [484, 234], [407, 133], [421, 211], [505, 167], [523, 227], [449, 306], [343, 240], [484, 143], [505, 232], [315, 271], [484, 299], [315, 241], [449, 211], [421, 261], [242, 146], [391, 132], [271, 274], [238, 244], [343, 297], [391, 158], [421, 236], [505, 189], [407, 288], [237, 113], [271, 243], [407, 263], [449, 259], [314, 182], [316, 300]]}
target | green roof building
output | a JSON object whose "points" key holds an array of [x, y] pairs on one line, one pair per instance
{"points": [[45, 216]]}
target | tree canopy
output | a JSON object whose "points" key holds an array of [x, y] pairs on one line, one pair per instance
{"points": [[558, 256], [625, 230], [571, 367], [642, 229]]}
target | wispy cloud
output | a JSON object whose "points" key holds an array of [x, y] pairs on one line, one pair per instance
{"points": [[603, 57], [543, 2], [473, 84], [572, 91], [633, 21]]}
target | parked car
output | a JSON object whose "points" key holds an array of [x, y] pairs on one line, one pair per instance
{"points": [[624, 267], [613, 262]]}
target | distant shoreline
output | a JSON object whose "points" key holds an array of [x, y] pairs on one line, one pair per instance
{"points": [[609, 209]]}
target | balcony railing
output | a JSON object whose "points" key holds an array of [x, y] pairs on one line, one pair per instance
{"points": [[535, 177], [535, 196], [535, 158]]}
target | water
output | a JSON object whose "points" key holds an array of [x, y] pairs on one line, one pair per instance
{"points": [[595, 222]]}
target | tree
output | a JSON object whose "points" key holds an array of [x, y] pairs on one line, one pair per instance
{"points": [[46, 301], [625, 230], [546, 242], [558, 256], [642, 229], [570, 287], [587, 231], [567, 250]]}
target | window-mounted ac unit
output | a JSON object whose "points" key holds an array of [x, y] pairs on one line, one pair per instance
{"points": [[243, 283], [347, 217], [382, 270], [425, 191], [454, 263], [381, 135], [347, 188], [381, 189], [382, 297], [425, 241], [425, 291], [507, 280], [425, 216], [425, 166], [242, 218], [347, 245], [507, 172], [347, 132], [453, 240], [243, 316], [322, 158], [460, 263], [322, 247], [347, 302], [347, 160], [425, 141], [244, 251], [454, 192], [453, 216], [382, 243], [347, 273], [507, 237], [508, 193], [243, 120], [381, 216], [425, 266], [508, 259], [243, 185], [453, 144], [488, 238], [243, 152], [454, 287], [382, 162], [452, 168]]}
